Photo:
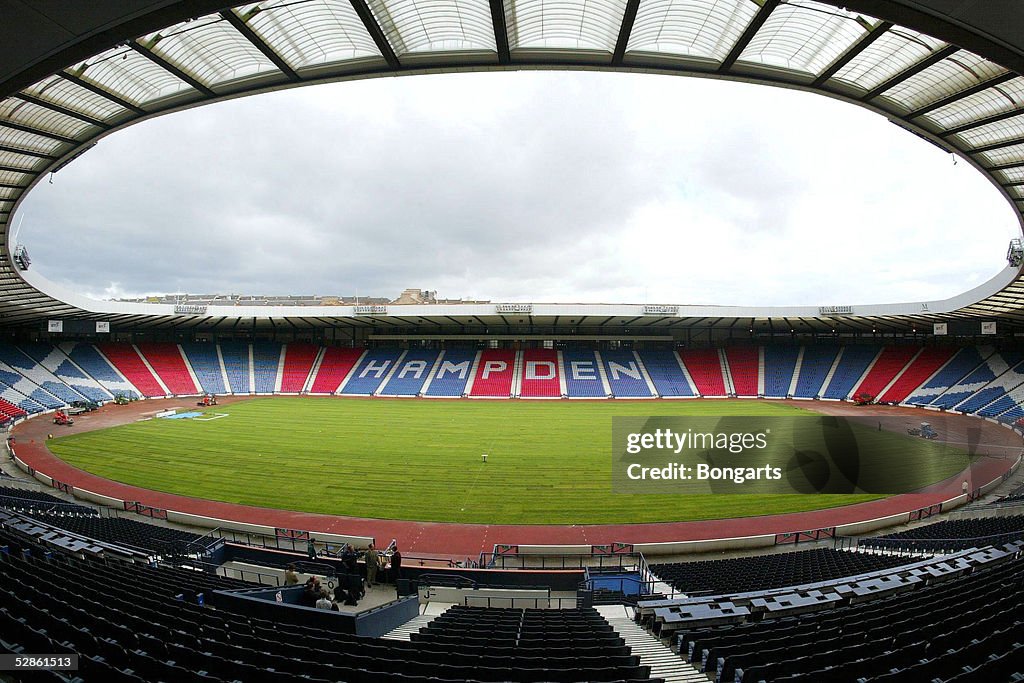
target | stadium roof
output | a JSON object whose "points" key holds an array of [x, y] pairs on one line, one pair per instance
{"points": [[71, 73]]}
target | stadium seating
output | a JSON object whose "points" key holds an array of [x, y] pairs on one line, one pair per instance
{"points": [[540, 375], [952, 534], [887, 366], [371, 371], [46, 386], [335, 366], [991, 368], [1009, 408], [129, 364], [55, 360], [24, 500], [917, 373], [705, 368], [454, 368], [583, 375], [125, 532], [743, 368], [23, 393], [958, 367], [814, 368], [411, 374], [10, 410], [206, 364], [142, 623], [166, 361], [89, 359], [298, 363], [936, 632], [494, 373], [625, 377], [572, 644], [779, 366], [236, 366], [760, 572], [995, 390], [852, 365], [665, 371], [266, 359]]}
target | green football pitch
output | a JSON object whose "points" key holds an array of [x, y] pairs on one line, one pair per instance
{"points": [[549, 462]]}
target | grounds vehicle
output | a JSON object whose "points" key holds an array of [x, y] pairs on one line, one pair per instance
{"points": [[925, 431], [62, 418], [208, 400], [86, 406], [121, 399]]}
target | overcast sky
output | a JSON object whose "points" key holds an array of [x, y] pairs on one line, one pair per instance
{"points": [[528, 186]]}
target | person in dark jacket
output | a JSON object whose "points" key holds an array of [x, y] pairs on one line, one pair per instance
{"points": [[396, 565]]}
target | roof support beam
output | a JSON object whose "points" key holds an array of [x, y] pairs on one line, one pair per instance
{"points": [[1004, 167], [997, 145], [376, 32], [500, 31], [851, 52], [239, 24], [40, 133], [628, 19], [61, 110], [96, 90], [973, 90], [925, 63], [8, 186], [14, 169], [995, 118], [26, 152], [755, 25], [170, 68]]}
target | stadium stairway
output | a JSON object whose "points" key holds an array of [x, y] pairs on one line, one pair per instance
{"points": [[664, 663], [431, 611]]}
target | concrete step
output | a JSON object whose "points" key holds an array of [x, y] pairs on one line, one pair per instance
{"points": [[429, 612], [664, 663]]}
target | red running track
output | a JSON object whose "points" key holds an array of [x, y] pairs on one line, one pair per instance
{"points": [[468, 540]]}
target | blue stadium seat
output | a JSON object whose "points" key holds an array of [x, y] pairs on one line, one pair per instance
{"points": [[851, 368], [205, 363], [412, 373], [454, 369], [368, 375], [625, 377], [663, 368], [582, 377], [779, 366], [814, 368]]}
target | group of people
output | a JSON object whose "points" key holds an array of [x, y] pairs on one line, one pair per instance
{"points": [[390, 559], [315, 595]]}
